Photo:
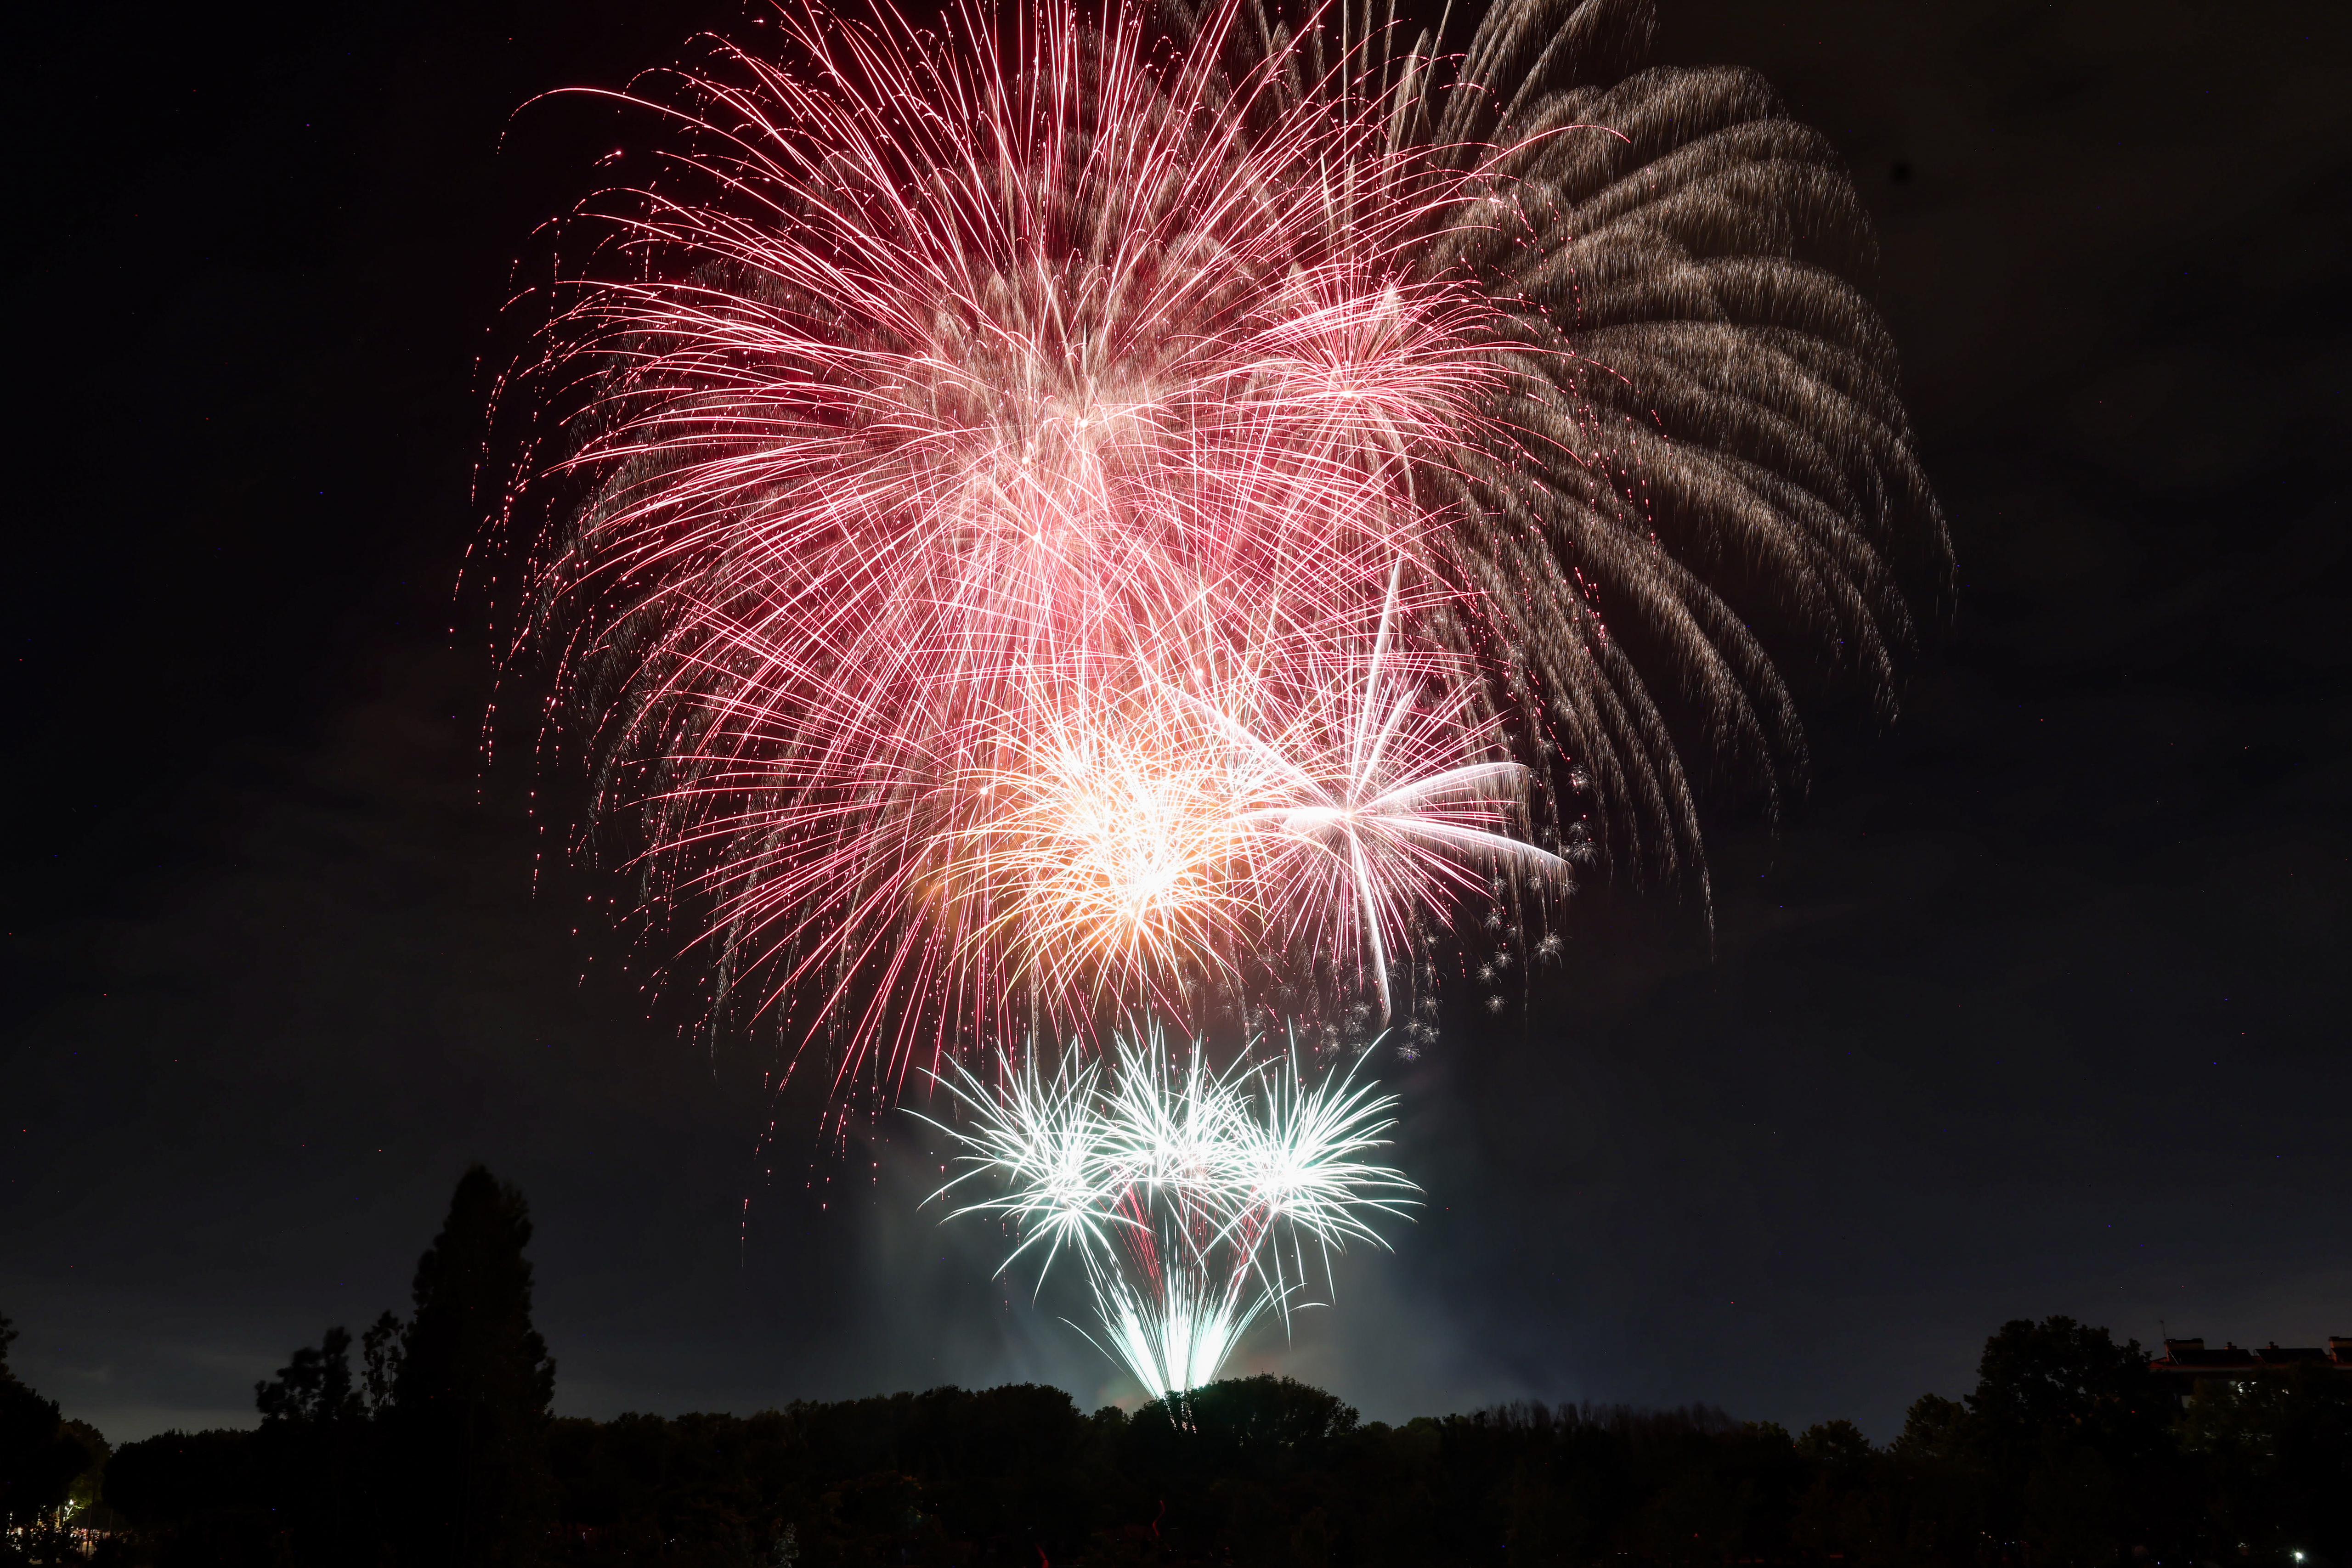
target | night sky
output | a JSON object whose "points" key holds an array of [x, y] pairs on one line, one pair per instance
{"points": [[2036, 1004]]}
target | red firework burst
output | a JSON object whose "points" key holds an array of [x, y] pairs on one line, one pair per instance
{"points": [[1059, 516], [994, 458]]}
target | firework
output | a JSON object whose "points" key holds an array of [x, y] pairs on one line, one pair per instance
{"points": [[1312, 798], [1064, 515], [1195, 1201]]}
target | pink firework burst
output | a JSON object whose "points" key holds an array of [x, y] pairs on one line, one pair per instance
{"points": [[1061, 515], [952, 414]]}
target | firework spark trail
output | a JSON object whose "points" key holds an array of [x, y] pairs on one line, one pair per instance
{"points": [[1000, 447], [1319, 797], [1196, 1201], [908, 478]]}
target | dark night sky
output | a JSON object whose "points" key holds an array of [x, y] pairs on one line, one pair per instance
{"points": [[2035, 1006]]}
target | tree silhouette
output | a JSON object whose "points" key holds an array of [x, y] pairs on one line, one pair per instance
{"points": [[471, 1389], [39, 1459], [314, 1388], [322, 1455], [2071, 1430]]}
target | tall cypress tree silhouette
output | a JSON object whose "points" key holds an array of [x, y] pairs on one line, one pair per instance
{"points": [[471, 1397]]}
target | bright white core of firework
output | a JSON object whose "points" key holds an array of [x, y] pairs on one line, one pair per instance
{"points": [[1195, 1200]]}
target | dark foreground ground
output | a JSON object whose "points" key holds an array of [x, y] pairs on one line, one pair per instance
{"points": [[437, 1448], [2067, 1453]]}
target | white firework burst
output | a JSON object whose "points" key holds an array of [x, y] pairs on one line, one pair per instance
{"points": [[1196, 1200]]}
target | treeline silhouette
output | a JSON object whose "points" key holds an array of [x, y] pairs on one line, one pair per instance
{"points": [[438, 1448]]}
